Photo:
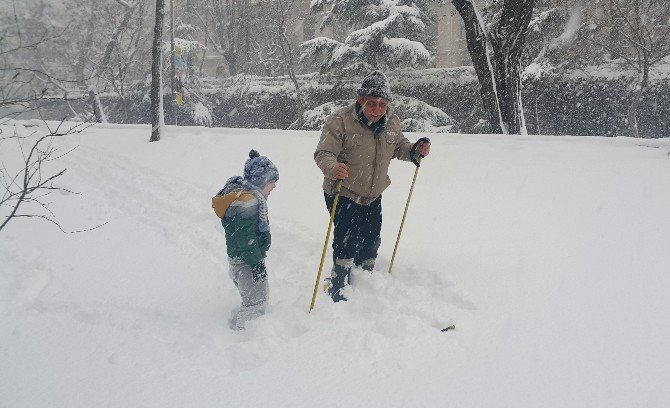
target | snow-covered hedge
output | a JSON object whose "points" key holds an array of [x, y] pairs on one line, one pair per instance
{"points": [[585, 102], [579, 103], [416, 116]]}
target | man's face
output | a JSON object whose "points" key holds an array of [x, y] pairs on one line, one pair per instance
{"points": [[373, 108]]}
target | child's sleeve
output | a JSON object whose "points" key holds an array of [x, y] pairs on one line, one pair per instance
{"points": [[265, 240]]}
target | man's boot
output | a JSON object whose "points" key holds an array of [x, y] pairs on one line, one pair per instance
{"points": [[339, 278], [368, 264]]}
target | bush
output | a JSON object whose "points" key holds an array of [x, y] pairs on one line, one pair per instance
{"points": [[576, 104], [559, 103]]}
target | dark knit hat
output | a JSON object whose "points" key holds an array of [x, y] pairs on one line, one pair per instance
{"points": [[375, 85], [259, 170]]}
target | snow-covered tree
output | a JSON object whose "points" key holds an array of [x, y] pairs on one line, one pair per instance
{"points": [[93, 42], [229, 27], [103, 67], [554, 31], [252, 36], [186, 74], [495, 37], [281, 47], [377, 34], [636, 33]]}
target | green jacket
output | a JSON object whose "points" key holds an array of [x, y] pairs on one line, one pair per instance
{"points": [[243, 239]]}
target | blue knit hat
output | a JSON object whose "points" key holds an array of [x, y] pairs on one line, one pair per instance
{"points": [[259, 170]]}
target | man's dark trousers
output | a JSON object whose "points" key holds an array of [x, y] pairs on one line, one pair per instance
{"points": [[357, 229]]}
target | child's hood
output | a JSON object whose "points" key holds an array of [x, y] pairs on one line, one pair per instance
{"points": [[220, 203]]}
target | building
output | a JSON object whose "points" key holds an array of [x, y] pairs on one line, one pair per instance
{"points": [[452, 50]]}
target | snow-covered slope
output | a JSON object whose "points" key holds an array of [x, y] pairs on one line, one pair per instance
{"points": [[550, 254]]}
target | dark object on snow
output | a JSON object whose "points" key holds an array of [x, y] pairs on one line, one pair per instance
{"points": [[452, 327]]}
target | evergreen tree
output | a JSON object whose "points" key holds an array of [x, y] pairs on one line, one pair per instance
{"points": [[374, 34]]}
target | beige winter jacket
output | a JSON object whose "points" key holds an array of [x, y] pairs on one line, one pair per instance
{"points": [[345, 138]]}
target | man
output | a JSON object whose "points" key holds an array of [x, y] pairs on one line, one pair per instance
{"points": [[356, 146]]}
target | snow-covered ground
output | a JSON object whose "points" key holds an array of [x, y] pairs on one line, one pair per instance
{"points": [[549, 254]]}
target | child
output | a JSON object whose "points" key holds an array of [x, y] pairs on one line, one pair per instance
{"points": [[242, 207]]}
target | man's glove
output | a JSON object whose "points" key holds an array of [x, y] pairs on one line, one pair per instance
{"points": [[413, 154], [258, 272]]}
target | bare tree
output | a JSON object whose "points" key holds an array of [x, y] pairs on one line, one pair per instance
{"points": [[22, 89], [157, 113], [17, 93], [638, 33], [26, 178], [495, 42], [227, 24], [92, 42], [280, 10], [112, 44], [32, 183]]}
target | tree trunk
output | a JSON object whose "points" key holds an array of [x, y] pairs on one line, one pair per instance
{"points": [[637, 100], [85, 50], [500, 76], [106, 58], [476, 41], [231, 61], [157, 118], [508, 44], [508, 75], [94, 99], [173, 50]]}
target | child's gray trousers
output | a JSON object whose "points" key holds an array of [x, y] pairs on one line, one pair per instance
{"points": [[254, 290]]}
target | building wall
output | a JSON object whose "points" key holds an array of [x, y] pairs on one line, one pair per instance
{"points": [[451, 46]]}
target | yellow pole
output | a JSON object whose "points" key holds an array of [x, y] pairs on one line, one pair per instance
{"points": [[395, 249], [325, 244]]}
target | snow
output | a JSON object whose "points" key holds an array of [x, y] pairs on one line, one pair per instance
{"points": [[617, 69], [201, 114], [535, 71], [549, 254], [413, 52]]}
